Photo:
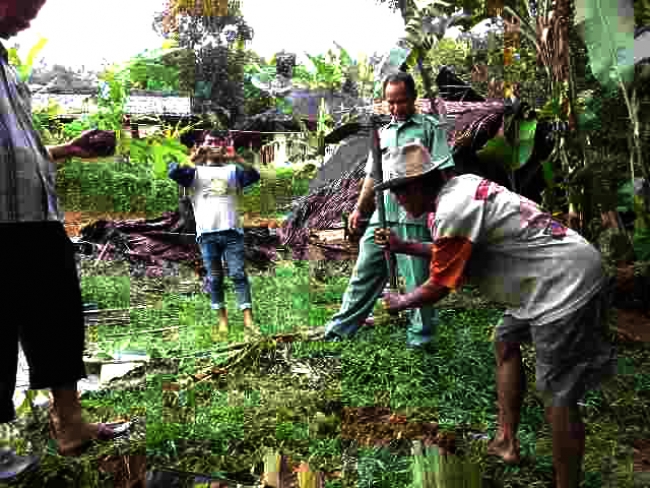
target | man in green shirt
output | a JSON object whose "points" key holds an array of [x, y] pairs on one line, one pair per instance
{"points": [[370, 274]]}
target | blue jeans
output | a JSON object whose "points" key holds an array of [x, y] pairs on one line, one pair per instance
{"points": [[216, 245]]}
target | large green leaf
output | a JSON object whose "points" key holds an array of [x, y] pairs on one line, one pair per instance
{"points": [[626, 197], [609, 36], [346, 59], [549, 173], [499, 150], [159, 164], [526, 140], [25, 69]]}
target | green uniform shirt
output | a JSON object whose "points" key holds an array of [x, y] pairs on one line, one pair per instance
{"points": [[423, 128]]}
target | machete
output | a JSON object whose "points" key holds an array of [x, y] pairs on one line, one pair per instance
{"points": [[381, 209]]}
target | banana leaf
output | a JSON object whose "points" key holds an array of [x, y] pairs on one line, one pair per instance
{"points": [[526, 140], [549, 173], [609, 36], [391, 63], [30, 396], [346, 59], [625, 198], [498, 148], [159, 164], [25, 70]]}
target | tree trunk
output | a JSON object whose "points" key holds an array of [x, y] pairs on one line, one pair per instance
{"points": [[426, 78]]}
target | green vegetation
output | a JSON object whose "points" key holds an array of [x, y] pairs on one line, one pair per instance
{"points": [[111, 187], [221, 425]]}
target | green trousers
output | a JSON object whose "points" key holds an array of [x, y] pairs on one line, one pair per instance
{"points": [[370, 277]]}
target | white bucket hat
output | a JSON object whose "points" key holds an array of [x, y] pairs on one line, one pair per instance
{"points": [[412, 161]]}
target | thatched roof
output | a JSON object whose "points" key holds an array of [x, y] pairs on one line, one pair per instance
{"points": [[349, 155]]}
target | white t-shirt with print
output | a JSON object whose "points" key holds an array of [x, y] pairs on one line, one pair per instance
{"points": [[215, 201], [519, 255]]}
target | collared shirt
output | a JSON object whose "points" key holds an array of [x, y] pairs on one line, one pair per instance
{"points": [[419, 127], [27, 174]]}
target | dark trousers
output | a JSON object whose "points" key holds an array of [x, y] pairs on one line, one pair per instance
{"points": [[41, 308]]}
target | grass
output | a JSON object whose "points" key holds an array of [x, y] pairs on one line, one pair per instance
{"points": [[223, 425]]}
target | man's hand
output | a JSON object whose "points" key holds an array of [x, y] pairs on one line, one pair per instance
{"points": [[354, 223], [393, 302], [198, 153], [93, 144], [386, 238]]}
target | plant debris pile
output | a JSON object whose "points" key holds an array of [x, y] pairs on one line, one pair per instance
{"points": [[321, 209], [154, 247]]}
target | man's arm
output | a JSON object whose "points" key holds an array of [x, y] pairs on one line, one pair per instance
{"points": [[417, 249], [247, 173], [183, 175], [366, 201], [59, 153], [427, 294]]}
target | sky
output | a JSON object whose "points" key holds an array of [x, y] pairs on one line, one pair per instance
{"points": [[94, 32]]}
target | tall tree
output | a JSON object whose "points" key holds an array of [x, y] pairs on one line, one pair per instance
{"points": [[216, 32]]}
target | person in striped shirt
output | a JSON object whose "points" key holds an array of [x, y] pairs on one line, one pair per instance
{"points": [[43, 308]]}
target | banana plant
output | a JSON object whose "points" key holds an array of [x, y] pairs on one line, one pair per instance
{"points": [[47, 125], [161, 148], [24, 69], [324, 72], [609, 37], [426, 24]]}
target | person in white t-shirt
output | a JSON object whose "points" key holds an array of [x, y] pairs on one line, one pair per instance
{"points": [[217, 176], [551, 278]]}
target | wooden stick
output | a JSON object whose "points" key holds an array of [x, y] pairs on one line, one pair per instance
{"points": [[101, 254], [104, 310], [147, 331]]}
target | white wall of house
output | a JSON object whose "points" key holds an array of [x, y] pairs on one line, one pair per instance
{"points": [[280, 141]]}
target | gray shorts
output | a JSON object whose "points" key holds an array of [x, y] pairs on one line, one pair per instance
{"points": [[574, 354]]}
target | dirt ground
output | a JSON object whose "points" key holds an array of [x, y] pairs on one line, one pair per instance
{"points": [[74, 221], [633, 325]]}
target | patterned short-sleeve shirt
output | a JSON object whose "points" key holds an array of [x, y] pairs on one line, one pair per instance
{"points": [[514, 251], [27, 174]]}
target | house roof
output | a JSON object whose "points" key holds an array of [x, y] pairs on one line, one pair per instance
{"points": [[79, 104], [273, 120], [307, 103]]}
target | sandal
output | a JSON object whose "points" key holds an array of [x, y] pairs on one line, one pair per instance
{"points": [[105, 433], [13, 465]]}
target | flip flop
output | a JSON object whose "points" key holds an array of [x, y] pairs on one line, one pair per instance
{"points": [[105, 433], [12, 465]]}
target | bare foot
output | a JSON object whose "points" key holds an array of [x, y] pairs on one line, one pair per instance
{"points": [[220, 334], [508, 451], [72, 437]]}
